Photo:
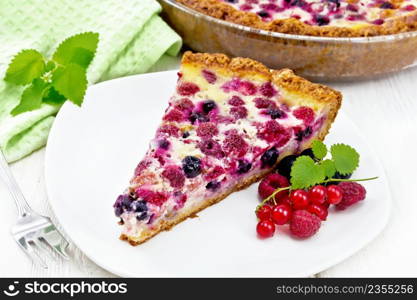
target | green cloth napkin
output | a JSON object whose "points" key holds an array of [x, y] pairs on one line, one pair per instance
{"points": [[132, 38]]}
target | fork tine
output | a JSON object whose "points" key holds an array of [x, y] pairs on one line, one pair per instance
{"points": [[28, 249], [56, 247]]}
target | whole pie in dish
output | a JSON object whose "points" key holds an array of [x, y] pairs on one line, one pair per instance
{"points": [[228, 124], [332, 18]]}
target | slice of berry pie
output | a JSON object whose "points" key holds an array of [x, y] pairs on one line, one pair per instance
{"points": [[228, 124], [335, 18]]}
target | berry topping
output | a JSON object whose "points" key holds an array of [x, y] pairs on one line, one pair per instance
{"points": [[239, 112], [169, 130], [211, 147], [285, 165], [236, 101], [317, 195], [142, 166], [334, 194], [180, 199], [234, 143], [184, 104], [122, 203], [265, 228], [208, 106], [281, 214], [174, 115], [269, 158], [264, 212], [274, 132], [139, 206], [207, 130], [243, 167], [264, 103], [305, 113], [246, 88], [318, 210], [213, 185], [209, 76], [303, 133], [191, 166], [216, 172], [352, 192], [187, 89], [185, 135], [276, 113], [267, 90], [304, 224], [196, 116], [299, 199], [155, 198], [270, 183], [175, 176]]}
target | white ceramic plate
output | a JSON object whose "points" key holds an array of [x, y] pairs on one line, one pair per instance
{"points": [[93, 151]]}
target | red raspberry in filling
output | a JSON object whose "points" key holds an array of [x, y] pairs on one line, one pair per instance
{"points": [[216, 172], [184, 104], [211, 147], [156, 198], [239, 112], [169, 129], [187, 89], [174, 115], [142, 166], [207, 130], [264, 103], [236, 101], [246, 88], [305, 113], [180, 200], [175, 176], [209, 76], [267, 90], [234, 143], [275, 133]]}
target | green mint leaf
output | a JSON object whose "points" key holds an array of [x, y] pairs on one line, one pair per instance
{"points": [[319, 149], [50, 66], [345, 158], [78, 49], [329, 168], [305, 173], [51, 96], [71, 82], [24, 67], [31, 98]]}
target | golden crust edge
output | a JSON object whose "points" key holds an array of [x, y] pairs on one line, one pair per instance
{"points": [[228, 13]]}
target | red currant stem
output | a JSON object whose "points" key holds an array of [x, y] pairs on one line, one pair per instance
{"points": [[271, 197], [349, 180]]}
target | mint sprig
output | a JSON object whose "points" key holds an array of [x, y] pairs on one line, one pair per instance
{"points": [[54, 80]]}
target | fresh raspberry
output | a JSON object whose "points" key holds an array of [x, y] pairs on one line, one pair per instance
{"points": [[174, 115], [305, 113], [142, 166], [267, 90], [275, 133], [236, 101], [234, 143], [304, 224], [209, 76], [211, 147], [264, 103], [270, 183], [239, 112], [246, 88], [175, 176], [169, 129], [207, 130], [187, 89], [216, 172], [352, 192], [156, 198], [184, 104]]}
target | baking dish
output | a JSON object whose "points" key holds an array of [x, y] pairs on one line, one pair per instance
{"points": [[318, 58]]}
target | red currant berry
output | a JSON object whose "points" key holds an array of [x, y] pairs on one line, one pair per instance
{"points": [[264, 212], [299, 199], [318, 210], [281, 214], [334, 194], [286, 200], [318, 194], [265, 228]]}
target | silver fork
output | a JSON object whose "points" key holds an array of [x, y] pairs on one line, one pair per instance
{"points": [[35, 234]]}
